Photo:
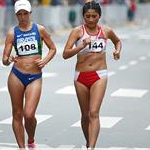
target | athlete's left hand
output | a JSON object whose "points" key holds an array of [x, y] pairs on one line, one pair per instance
{"points": [[40, 63], [116, 55]]}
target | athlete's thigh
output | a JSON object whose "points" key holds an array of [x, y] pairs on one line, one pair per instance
{"points": [[16, 90], [32, 95], [97, 92], [83, 96]]}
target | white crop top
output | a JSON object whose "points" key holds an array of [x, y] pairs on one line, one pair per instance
{"points": [[98, 42]]}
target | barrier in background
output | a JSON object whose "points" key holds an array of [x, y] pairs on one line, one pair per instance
{"points": [[2, 18], [57, 17]]}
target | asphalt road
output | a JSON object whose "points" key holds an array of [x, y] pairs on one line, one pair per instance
{"points": [[125, 112]]}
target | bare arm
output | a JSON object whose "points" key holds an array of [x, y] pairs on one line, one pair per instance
{"points": [[49, 43], [7, 59], [69, 51], [117, 43]]}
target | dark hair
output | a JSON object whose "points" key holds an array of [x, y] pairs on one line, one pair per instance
{"points": [[92, 5]]}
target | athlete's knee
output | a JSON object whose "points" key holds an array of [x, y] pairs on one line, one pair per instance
{"points": [[17, 115], [28, 115], [94, 114], [85, 118]]}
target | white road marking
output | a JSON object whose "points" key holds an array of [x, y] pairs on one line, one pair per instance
{"points": [[124, 36], [13, 146], [1, 131], [66, 90], [4, 89], [40, 118], [133, 62], [111, 73], [142, 58], [68, 147], [122, 148], [47, 75], [123, 67], [106, 122], [144, 37], [148, 128], [137, 93]]}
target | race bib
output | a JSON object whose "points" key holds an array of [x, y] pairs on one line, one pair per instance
{"points": [[97, 45], [27, 45]]}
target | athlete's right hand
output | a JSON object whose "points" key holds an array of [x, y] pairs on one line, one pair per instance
{"points": [[12, 58], [86, 41]]}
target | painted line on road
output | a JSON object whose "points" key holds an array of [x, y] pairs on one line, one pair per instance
{"points": [[148, 128], [40, 119], [66, 90], [144, 37], [1, 131], [136, 93], [4, 89], [106, 122], [48, 75], [122, 148], [142, 58], [124, 36], [14, 146], [124, 67], [68, 147], [111, 73], [133, 62]]}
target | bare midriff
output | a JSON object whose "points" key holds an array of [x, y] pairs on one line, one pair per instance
{"points": [[26, 64], [91, 62]]}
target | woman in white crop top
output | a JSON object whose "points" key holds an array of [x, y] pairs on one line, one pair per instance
{"points": [[91, 68]]}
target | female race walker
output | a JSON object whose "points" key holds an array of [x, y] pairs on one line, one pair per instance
{"points": [[91, 69], [25, 79]]}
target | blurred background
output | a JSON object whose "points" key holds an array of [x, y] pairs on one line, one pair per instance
{"points": [[63, 14]]}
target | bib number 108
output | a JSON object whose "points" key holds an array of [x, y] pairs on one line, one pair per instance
{"points": [[27, 47]]}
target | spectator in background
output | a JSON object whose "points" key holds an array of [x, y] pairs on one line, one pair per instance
{"points": [[56, 2], [81, 2], [46, 2], [9, 2], [131, 10], [73, 2], [72, 17], [65, 2], [2, 3]]}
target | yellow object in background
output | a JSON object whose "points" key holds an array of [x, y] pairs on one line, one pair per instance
{"points": [[46, 2]]}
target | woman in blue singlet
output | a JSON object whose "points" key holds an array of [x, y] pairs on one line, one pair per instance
{"points": [[25, 78], [91, 75]]}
